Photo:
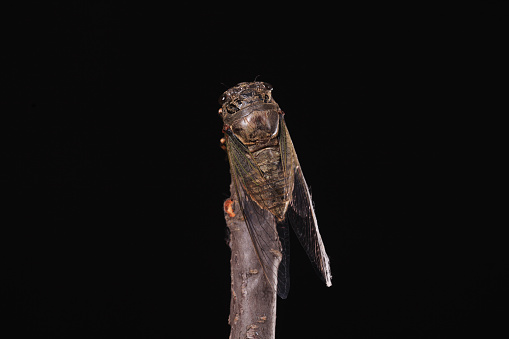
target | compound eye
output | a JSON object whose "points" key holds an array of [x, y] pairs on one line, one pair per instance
{"points": [[267, 86], [222, 99]]}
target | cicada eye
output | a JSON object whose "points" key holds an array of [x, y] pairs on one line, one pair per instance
{"points": [[268, 86], [222, 99]]}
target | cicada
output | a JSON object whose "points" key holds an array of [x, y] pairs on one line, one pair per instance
{"points": [[269, 182]]}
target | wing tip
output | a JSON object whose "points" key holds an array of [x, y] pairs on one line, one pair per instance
{"points": [[328, 274], [283, 295]]}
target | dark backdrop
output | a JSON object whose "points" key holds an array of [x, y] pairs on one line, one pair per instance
{"points": [[115, 178]]}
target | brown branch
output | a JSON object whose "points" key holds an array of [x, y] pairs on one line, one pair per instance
{"points": [[253, 300]]}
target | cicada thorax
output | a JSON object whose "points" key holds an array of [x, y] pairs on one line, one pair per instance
{"points": [[256, 124], [257, 127]]}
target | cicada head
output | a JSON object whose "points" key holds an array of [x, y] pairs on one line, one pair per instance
{"points": [[244, 95]]}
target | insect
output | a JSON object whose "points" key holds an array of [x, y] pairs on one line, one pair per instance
{"points": [[269, 182]]}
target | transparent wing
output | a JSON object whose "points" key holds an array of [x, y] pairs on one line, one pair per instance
{"points": [[283, 275], [301, 214], [260, 222]]}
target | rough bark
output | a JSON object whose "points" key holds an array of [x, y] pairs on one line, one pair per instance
{"points": [[253, 300]]}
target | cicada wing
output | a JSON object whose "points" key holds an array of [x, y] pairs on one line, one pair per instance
{"points": [[260, 223], [283, 275], [301, 213]]}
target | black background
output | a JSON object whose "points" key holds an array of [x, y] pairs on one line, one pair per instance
{"points": [[114, 224]]}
